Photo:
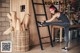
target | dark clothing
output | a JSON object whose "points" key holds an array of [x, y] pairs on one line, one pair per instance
{"points": [[64, 20], [63, 17], [65, 23]]}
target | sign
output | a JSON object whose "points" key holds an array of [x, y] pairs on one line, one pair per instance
{"points": [[6, 46]]}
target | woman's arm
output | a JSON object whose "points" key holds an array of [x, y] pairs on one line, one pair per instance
{"points": [[53, 17]]}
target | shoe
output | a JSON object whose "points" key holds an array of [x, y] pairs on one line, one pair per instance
{"points": [[39, 23], [65, 49]]}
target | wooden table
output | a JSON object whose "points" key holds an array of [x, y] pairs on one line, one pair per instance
{"points": [[75, 26], [61, 28]]}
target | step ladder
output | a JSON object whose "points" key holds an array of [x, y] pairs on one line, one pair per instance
{"points": [[34, 9]]}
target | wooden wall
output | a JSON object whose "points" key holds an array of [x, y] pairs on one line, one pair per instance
{"points": [[4, 21], [15, 6]]}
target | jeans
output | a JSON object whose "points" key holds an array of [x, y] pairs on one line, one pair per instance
{"points": [[66, 29]]}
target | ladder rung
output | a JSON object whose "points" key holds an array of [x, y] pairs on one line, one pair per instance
{"points": [[40, 14], [46, 42], [38, 3], [44, 37]]}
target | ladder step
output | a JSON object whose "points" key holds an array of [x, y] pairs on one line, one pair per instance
{"points": [[45, 37], [40, 14], [46, 42], [38, 3]]}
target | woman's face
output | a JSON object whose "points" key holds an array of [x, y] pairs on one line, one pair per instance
{"points": [[52, 11]]}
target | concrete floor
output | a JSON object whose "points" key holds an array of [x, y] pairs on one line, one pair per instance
{"points": [[73, 45]]}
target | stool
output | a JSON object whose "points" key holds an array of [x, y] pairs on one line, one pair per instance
{"points": [[53, 31]]}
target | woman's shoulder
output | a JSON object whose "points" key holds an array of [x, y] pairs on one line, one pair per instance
{"points": [[58, 14]]}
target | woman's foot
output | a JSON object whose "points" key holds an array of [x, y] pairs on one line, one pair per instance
{"points": [[65, 49], [39, 23]]}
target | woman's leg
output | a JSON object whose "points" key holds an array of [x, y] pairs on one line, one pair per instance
{"points": [[55, 23], [66, 31], [66, 37]]}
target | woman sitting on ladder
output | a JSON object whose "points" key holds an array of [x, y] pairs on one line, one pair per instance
{"points": [[63, 22]]}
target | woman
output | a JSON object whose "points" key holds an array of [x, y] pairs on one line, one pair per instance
{"points": [[62, 21]]}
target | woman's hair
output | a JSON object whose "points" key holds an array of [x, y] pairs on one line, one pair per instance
{"points": [[52, 6]]}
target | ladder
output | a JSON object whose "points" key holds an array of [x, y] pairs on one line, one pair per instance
{"points": [[40, 38]]}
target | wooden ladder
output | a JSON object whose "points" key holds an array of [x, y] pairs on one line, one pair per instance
{"points": [[34, 9]]}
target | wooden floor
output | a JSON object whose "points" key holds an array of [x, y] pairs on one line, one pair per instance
{"points": [[73, 45]]}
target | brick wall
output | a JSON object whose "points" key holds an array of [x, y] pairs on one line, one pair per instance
{"points": [[4, 21]]}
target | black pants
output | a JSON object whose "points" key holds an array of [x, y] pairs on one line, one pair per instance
{"points": [[66, 29]]}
